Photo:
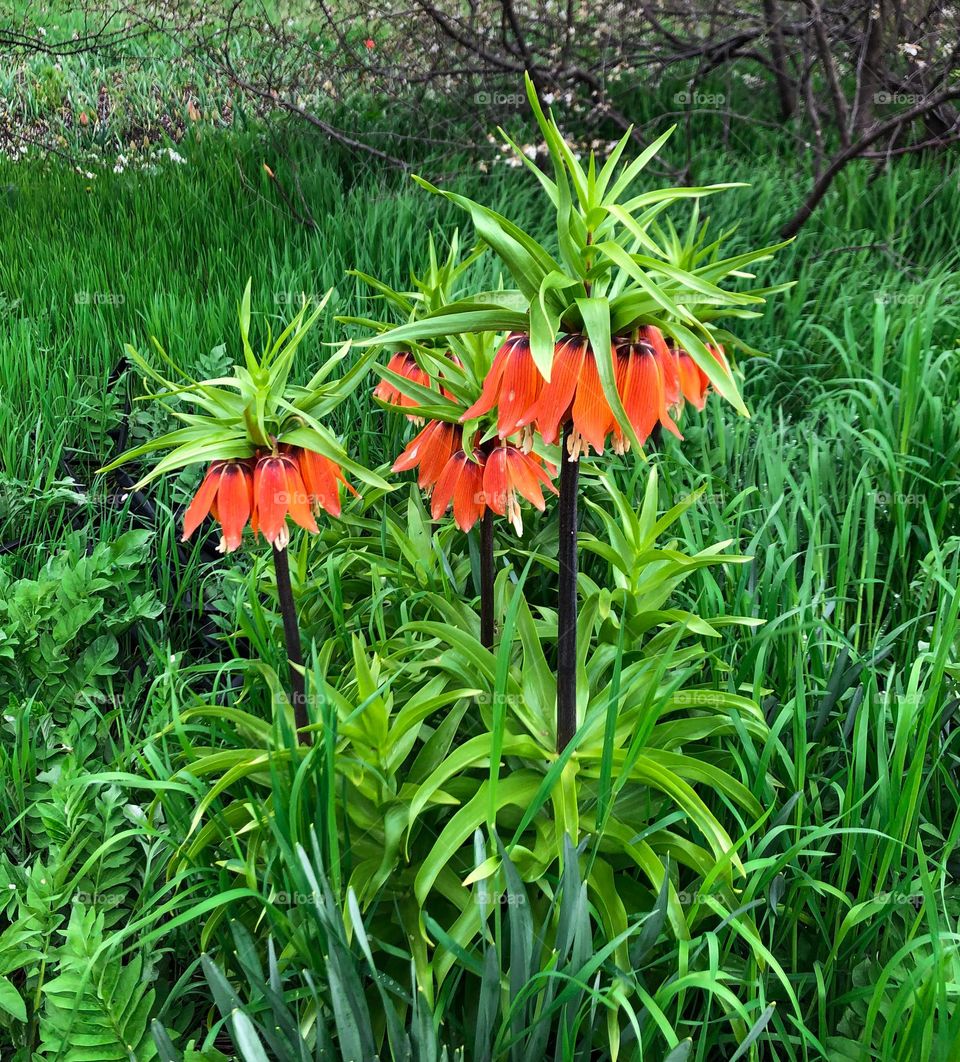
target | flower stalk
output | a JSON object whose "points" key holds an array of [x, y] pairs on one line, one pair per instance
{"points": [[291, 633], [567, 592], [486, 580]]}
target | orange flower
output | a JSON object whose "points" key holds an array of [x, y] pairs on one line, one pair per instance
{"points": [[227, 493], [694, 382], [645, 382], [403, 364], [278, 490], [512, 385], [573, 393], [647, 379], [322, 478], [461, 481], [431, 449], [510, 471]]}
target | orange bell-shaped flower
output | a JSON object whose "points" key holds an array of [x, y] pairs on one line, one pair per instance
{"points": [[509, 472], [462, 483], [279, 491], [227, 493], [512, 385]]}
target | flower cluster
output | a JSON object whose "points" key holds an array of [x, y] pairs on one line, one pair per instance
{"points": [[653, 380], [475, 481], [483, 478], [265, 489]]}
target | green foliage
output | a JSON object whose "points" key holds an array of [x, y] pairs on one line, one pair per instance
{"points": [[59, 633], [97, 1007], [828, 931], [254, 406], [532, 986]]}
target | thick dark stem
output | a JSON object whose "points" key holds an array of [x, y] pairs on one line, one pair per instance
{"points": [[486, 579], [291, 631], [567, 612]]}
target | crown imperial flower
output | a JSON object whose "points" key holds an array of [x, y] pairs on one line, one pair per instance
{"points": [[227, 493]]}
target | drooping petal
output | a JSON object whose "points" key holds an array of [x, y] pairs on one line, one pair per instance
{"points": [[403, 364], [385, 390], [234, 502], [203, 500], [665, 419], [510, 471], [693, 381], [654, 339], [496, 481], [468, 497], [462, 483], [552, 407], [593, 418], [316, 471], [270, 496], [321, 478], [444, 441], [520, 389], [642, 391], [526, 476], [298, 500], [431, 450], [491, 384], [446, 484], [413, 452]]}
